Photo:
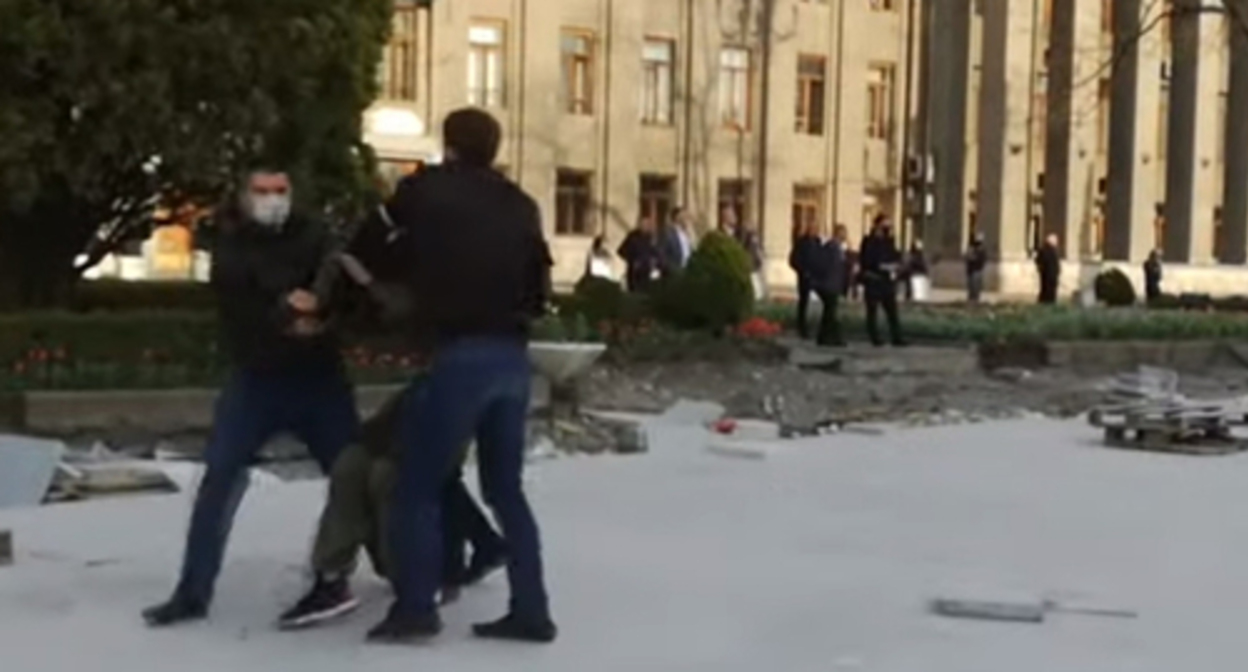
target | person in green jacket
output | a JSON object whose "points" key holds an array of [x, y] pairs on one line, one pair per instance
{"points": [[356, 517]]}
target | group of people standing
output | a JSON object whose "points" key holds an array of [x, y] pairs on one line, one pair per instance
{"points": [[828, 269], [654, 251], [457, 260]]}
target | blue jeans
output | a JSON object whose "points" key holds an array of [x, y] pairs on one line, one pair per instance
{"points": [[477, 387], [316, 406]]}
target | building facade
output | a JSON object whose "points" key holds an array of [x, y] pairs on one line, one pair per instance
{"points": [[784, 111], [1119, 125]]}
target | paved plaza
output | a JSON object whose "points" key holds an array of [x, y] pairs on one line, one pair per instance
{"points": [[818, 555]]}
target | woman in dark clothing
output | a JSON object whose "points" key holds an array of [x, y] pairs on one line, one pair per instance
{"points": [[802, 260], [640, 252]]}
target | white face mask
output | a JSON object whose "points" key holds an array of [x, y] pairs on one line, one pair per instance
{"points": [[269, 210]]}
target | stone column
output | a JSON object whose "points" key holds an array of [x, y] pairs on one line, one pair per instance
{"points": [[1070, 175], [1191, 147], [1234, 242], [1006, 94], [1135, 90], [950, 71]]}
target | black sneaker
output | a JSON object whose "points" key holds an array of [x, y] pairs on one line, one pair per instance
{"points": [[405, 629], [326, 601], [484, 563], [514, 629], [450, 594], [174, 612]]}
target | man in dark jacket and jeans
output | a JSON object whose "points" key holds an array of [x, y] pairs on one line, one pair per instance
{"points": [[880, 261], [288, 375], [479, 274]]}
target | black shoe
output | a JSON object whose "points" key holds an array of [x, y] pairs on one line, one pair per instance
{"points": [[405, 629], [901, 343], [878, 344], [325, 601], [833, 344], [484, 563], [450, 594], [513, 629], [174, 612]]}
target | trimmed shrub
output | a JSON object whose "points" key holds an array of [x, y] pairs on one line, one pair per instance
{"points": [[598, 300], [119, 295], [714, 292], [1114, 288]]}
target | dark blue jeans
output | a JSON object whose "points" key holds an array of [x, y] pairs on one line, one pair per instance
{"points": [[316, 406], [478, 388]]}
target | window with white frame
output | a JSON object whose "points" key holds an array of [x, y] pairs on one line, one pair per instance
{"points": [[486, 59]]}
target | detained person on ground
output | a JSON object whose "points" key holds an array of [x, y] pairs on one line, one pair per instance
{"points": [[357, 514]]}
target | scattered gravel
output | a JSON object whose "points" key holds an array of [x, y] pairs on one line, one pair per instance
{"points": [[804, 397]]}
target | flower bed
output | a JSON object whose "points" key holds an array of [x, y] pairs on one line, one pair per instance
{"points": [[997, 323]]}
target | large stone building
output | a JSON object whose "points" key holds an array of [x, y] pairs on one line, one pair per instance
{"points": [[618, 108], [1104, 121]]}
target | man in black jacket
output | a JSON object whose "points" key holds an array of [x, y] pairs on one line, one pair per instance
{"points": [[880, 260], [479, 271], [1049, 268], [976, 262], [288, 375], [802, 259], [827, 279]]}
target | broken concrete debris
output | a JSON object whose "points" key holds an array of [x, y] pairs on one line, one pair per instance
{"points": [[1017, 612], [1011, 612], [27, 467], [588, 433]]}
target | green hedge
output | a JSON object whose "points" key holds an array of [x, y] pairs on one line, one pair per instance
{"points": [[119, 295], [142, 349]]}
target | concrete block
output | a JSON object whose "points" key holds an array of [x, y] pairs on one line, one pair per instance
{"points": [[27, 467]]}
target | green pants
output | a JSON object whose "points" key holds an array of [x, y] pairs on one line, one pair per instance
{"points": [[355, 514]]}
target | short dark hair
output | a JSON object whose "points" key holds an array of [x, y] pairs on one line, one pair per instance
{"points": [[473, 135]]}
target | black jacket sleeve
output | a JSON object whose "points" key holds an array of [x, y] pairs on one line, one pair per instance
{"points": [[539, 288]]}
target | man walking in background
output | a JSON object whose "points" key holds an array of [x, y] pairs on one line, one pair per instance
{"points": [[479, 271], [976, 262], [675, 243], [827, 278], [880, 260], [287, 375], [1049, 268]]}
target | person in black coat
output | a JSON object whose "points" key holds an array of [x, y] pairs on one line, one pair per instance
{"points": [[976, 261], [879, 261], [642, 257], [1152, 276], [287, 373], [1049, 267], [802, 258], [827, 278]]}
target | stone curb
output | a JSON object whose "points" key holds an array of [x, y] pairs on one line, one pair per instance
{"points": [[63, 413]]}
